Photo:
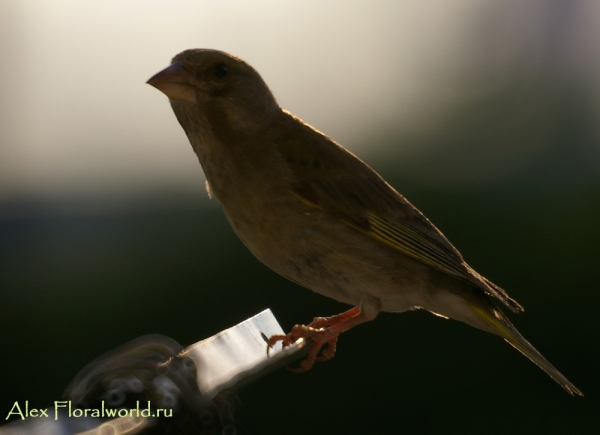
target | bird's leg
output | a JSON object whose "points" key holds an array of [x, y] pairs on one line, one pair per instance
{"points": [[325, 322], [325, 330]]}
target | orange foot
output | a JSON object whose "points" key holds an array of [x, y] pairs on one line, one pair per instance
{"points": [[322, 331]]}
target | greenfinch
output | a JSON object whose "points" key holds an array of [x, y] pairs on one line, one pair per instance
{"points": [[315, 213]]}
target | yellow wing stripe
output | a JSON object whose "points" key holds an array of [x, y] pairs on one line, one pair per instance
{"points": [[406, 241], [413, 245]]}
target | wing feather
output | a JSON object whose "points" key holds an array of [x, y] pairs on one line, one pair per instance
{"points": [[328, 177]]}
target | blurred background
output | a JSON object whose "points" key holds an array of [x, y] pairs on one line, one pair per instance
{"points": [[485, 115]]}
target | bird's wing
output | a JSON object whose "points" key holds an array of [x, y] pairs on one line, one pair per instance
{"points": [[328, 177]]}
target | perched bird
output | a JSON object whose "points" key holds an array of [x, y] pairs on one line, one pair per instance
{"points": [[315, 213]]}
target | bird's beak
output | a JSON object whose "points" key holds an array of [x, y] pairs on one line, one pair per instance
{"points": [[175, 82]]}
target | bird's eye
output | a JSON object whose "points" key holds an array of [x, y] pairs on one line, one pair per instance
{"points": [[220, 70]]}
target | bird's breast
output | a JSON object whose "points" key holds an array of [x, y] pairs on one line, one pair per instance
{"points": [[306, 244], [322, 253]]}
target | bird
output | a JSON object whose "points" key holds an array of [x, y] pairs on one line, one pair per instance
{"points": [[315, 213]]}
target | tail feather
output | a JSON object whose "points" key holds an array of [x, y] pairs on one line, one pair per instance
{"points": [[506, 330]]}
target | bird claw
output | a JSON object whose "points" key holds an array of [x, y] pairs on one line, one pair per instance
{"points": [[319, 338], [328, 352], [321, 331]]}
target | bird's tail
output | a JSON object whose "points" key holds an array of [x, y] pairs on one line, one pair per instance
{"points": [[502, 326]]}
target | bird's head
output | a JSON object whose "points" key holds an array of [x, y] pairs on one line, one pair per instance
{"points": [[213, 89]]}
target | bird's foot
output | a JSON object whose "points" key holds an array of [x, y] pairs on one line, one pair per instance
{"points": [[322, 331], [319, 337]]}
